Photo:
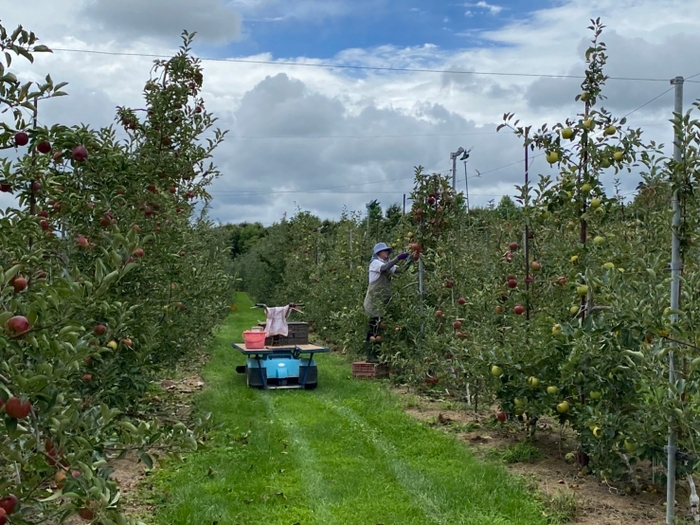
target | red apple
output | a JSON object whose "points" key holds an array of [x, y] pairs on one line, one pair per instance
{"points": [[8, 503], [457, 324], [562, 281], [127, 342], [19, 283], [462, 301], [449, 283], [513, 246], [519, 309], [138, 252], [5, 187], [21, 139], [86, 514], [512, 283], [105, 222], [44, 147], [99, 329], [82, 241], [535, 265], [509, 256], [79, 153], [439, 314], [17, 325], [36, 186], [529, 279], [431, 201], [136, 228], [87, 377], [498, 309], [502, 416], [17, 408]]}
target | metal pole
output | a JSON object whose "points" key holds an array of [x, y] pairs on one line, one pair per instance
{"points": [[404, 204], [421, 270], [32, 194], [466, 184], [675, 302], [454, 171], [526, 240]]}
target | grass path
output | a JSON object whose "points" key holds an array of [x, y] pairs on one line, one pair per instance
{"points": [[344, 453]]}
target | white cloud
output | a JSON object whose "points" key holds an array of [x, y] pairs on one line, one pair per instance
{"points": [[493, 9], [129, 19], [363, 129]]}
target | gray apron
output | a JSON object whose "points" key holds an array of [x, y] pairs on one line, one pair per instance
{"points": [[378, 294]]}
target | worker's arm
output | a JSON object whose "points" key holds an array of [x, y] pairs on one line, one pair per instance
{"points": [[390, 264]]}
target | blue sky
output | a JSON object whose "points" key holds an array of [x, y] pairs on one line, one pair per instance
{"points": [[366, 24]]}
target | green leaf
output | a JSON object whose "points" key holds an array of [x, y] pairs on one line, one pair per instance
{"points": [[10, 273], [128, 426]]}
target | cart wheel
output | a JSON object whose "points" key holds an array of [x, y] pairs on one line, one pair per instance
{"points": [[310, 386]]}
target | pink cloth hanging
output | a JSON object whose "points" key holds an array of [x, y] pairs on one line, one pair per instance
{"points": [[277, 321]]}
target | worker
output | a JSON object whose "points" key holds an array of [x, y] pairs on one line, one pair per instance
{"points": [[378, 294]]}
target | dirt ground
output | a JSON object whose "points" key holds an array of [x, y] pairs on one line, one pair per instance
{"points": [[583, 499]]}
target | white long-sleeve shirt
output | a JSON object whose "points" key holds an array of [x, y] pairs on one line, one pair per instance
{"points": [[375, 269]]}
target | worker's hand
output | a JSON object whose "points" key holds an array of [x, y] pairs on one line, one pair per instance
{"points": [[402, 256]]}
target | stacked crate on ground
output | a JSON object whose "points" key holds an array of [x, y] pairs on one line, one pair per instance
{"points": [[364, 370]]}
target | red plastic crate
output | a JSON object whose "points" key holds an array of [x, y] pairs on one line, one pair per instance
{"points": [[365, 370]]}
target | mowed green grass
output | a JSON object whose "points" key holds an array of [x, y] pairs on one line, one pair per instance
{"points": [[345, 453]]}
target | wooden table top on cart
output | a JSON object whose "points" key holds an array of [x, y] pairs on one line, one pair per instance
{"points": [[306, 349]]}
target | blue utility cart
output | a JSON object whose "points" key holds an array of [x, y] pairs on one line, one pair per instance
{"points": [[271, 367]]}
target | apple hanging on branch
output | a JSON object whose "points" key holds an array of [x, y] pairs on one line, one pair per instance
{"points": [[17, 325], [17, 408], [79, 153], [21, 139]]}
